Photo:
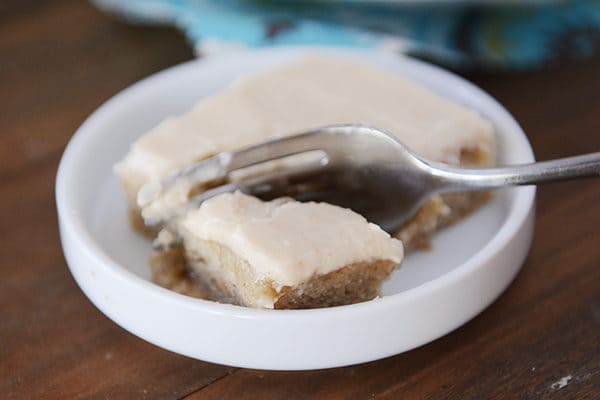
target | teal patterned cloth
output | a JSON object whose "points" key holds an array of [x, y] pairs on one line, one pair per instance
{"points": [[499, 35]]}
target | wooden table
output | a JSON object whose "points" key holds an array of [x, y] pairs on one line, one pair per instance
{"points": [[60, 60]]}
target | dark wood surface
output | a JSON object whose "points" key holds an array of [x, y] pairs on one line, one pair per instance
{"points": [[60, 60]]}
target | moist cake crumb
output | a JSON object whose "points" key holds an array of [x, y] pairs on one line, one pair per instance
{"points": [[284, 253]]}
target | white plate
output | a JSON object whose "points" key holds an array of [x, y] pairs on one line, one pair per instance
{"points": [[433, 293]]}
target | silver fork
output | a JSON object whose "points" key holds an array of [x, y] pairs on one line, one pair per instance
{"points": [[358, 167]]}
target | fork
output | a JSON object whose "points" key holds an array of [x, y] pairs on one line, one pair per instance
{"points": [[354, 166]]}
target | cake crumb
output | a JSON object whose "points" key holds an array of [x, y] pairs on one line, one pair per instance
{"points": [[561, 383]]}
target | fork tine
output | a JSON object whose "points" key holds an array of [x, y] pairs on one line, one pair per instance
{"points": [[217, 167], [195, 201], [276, 148], [328, 139], [161, 200], [209, 170], [155, 198], [284, 182]]}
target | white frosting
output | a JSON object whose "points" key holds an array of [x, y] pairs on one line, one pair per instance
{"points": [[305, 94], [288, 241]]}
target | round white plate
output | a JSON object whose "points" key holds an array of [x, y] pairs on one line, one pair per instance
{"points": [[434, 292]]}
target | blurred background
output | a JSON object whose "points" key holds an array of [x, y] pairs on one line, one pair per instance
{"points": [[483, 34], [61, 59]]}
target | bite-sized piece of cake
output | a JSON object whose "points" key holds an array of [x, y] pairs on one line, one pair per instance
{"points": [[309, 93], [286, 254]]}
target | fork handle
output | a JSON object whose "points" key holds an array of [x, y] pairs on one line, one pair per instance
{"points": [[472, 179]]}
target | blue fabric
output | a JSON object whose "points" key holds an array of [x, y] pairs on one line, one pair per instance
{"points": [[514, 35]]}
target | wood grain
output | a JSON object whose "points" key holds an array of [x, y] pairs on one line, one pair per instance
{"points": [[60, 60]]}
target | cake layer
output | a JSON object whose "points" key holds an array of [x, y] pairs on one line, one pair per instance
{"points": [[223, 276], [284, 241]]}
